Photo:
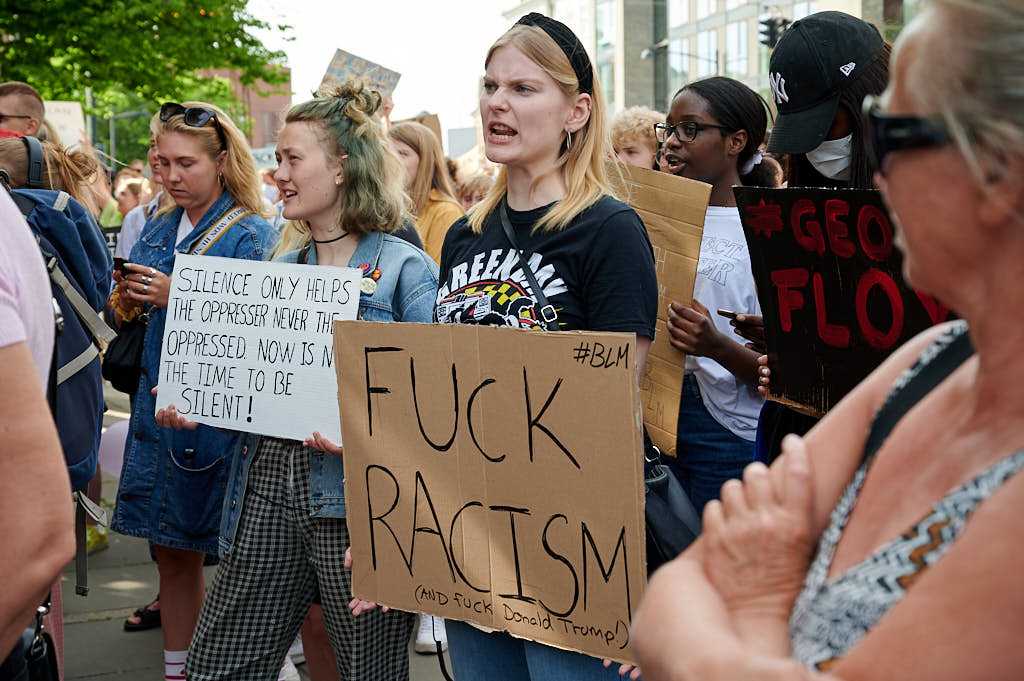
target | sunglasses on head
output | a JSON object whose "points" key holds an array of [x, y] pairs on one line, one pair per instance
{"points": [[885, 134], [194, 117]]}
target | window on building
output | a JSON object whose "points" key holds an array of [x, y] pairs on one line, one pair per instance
{"points": [[678, 64], [802, 9], [606, 74], [706, 8], [736, 62], [678, 12], [707, 53]]}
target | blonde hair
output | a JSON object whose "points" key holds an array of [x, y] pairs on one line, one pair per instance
{"points": [[635, 124], [432, 172], [478, 183], [583, 164], [239, 173], [374, 187], [69, 171], [981, 96]]}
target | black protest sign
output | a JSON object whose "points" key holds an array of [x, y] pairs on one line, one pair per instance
{"points": [[830, 282]]}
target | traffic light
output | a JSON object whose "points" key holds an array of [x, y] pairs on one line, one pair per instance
{"points": [[771, 30]]}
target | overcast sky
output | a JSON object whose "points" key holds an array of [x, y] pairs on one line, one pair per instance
{"points": [[438, 47]]}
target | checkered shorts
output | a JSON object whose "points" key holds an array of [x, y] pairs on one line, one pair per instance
{"points": [[264, 587]]}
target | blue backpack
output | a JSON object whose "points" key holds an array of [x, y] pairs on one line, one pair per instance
{"points": [[79, 266]]}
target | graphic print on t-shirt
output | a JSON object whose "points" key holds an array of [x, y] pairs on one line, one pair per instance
{"points": [[719, 257], [493, 290]]}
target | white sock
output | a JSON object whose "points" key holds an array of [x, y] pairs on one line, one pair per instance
{"points": [[174, 665]]}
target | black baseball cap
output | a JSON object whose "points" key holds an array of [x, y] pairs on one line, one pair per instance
{"points": [[816, 59]]}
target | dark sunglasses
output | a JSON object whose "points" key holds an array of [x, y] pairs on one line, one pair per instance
{"points": [[194, 117], [885, 134], [686, 131]]}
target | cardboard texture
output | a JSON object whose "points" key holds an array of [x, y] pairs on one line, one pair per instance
{"points": [[673, 210], [345, 65], [495, 476], [68, 120], [830, 283], [247, 345]]}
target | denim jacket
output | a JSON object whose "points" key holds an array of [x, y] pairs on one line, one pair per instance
{"points": [[405, 293], [172, 484]]}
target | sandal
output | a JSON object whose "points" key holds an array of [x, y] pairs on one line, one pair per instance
{"points": [[147, 616]]}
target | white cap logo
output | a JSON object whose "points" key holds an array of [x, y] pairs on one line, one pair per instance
{"points": [[778, 84], [848, 69]]}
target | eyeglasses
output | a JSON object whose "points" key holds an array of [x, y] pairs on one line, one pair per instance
{"points": [[686, 131], [4, 116], [194, 117], [885, 134]]}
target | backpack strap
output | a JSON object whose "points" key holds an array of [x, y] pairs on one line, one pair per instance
{"points": [[102, 333], [35, 162], [548, 315]]}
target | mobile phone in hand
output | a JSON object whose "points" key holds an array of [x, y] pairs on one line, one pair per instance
{"points": [[119, 264], [728, 314]]}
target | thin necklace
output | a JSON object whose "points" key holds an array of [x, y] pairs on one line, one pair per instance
{"points": [[331, 241]]}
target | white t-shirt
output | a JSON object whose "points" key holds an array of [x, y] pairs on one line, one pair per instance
{"points": [[184, 228], [725, 280], [131, 227]]}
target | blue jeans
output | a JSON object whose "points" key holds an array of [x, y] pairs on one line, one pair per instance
{"points": [[707, 453], [479, 656]]}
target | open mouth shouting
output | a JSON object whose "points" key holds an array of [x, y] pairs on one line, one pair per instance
{"points": [[499, 133]]}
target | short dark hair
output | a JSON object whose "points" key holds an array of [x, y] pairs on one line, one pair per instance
{"points": [[15, 87]]}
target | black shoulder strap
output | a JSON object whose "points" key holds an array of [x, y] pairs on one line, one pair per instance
{"points": [[548, 314], [303, 257], [35, 162], [929, 374]]}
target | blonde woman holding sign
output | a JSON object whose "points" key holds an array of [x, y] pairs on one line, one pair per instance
{"points": [[284, 536], [543, 121], [172, 484]]}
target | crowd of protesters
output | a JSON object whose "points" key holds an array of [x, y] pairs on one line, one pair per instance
{"points": [[805, 568]]}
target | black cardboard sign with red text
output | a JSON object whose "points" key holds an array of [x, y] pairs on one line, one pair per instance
{"points": [[830, 282]]}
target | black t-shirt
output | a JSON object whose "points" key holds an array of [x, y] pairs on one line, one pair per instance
{"points": [[598, 272]]}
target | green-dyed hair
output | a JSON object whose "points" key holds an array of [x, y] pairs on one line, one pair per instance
{"points": [[373, 196]]}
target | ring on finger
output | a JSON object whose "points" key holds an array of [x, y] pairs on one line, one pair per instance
{"points": [[145, 288], [152, 272], [147, 280]]}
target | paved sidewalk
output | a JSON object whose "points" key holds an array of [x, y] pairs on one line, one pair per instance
{"points": [[121, 579]]}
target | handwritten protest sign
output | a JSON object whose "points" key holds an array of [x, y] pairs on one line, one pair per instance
{"points": [[673, 210], [345, 65], [67, 119], [830, 284], [495, 476], [247, 345]]}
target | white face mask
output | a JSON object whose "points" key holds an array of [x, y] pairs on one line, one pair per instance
{"points": [[832, 158]]}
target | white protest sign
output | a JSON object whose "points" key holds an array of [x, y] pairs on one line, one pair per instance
{"points": [[67, 119], [248, 346]]}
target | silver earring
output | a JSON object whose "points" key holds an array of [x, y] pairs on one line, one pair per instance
{"points": [[568, 140]]}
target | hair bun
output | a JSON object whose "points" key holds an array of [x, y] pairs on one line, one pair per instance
{"points": [[356, 94]]}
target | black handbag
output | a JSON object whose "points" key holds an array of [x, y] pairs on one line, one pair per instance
{"points": [[122, 362], [34, 657], [671, 518]]}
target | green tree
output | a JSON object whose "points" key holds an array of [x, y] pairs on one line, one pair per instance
{"points": [[134, 55], [151, 48]]}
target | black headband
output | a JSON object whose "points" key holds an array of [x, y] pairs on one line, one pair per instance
{"points": [[569, 44]]}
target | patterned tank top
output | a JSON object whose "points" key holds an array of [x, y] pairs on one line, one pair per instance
{"points": [[831, 616]]}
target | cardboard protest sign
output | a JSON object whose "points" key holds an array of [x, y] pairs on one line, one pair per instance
{"points": [[495, 475], [68, 120], [673, 210], [830, 283], [247, 344], [345, 65]]}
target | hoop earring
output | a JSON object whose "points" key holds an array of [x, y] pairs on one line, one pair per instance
{"points": [[568, 140]]}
